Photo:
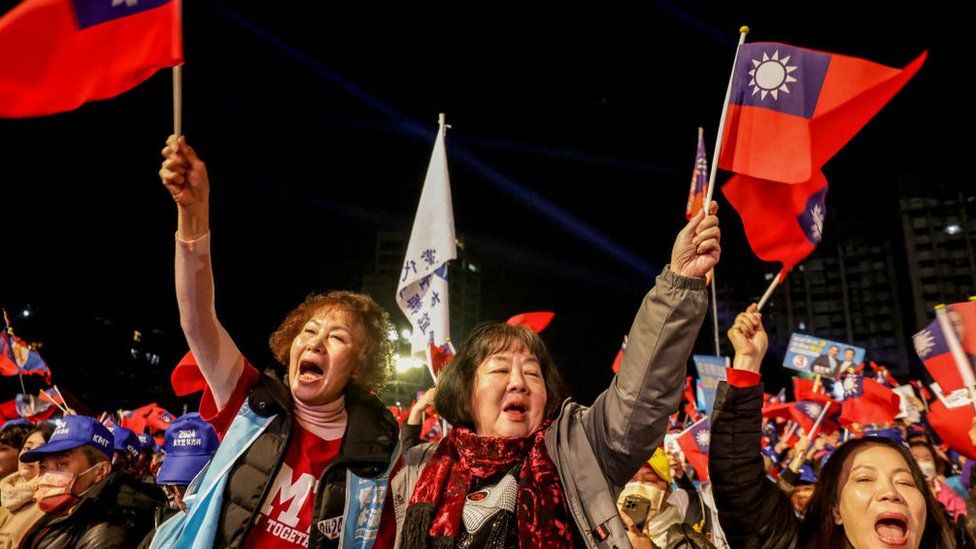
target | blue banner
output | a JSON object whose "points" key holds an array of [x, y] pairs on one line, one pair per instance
{"points": [[711, 370], [816, 355]]}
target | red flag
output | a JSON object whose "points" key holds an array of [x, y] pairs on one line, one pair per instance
{"points": [[699, 181], [533, 321], [953, 425], [7, 365], [866, 401], [783, 223], [778, 410], [439, 356], [792, 109], [187, 378], [620, 356], [805, 413], [933, 348], [694, 443], [803, 390], [60, 54]]}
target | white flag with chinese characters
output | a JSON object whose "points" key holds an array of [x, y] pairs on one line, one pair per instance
{"points": [[422, 289]]}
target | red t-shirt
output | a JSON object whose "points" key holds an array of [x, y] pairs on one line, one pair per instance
{"points": [[285, 517]]}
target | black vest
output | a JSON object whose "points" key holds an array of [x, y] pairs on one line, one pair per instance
{"points": [[367, 449]]}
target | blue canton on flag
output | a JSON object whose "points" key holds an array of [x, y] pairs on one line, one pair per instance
{"points": [[780, 77], [94, 12]]}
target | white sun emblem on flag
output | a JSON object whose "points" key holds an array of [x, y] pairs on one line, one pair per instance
{"points": [[816, 229], [813, 409], [924, 342], [771, 75], [703, 438]]}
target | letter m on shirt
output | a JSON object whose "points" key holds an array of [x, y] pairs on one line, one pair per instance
{"points": [[290, 494]]}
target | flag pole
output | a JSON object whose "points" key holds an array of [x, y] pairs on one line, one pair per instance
{"points": [[958, 354], [777, 280], [743, 31], [178, 101]]}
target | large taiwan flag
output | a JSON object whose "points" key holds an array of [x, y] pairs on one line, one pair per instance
{"points": [[790, 110], [60, 54]]}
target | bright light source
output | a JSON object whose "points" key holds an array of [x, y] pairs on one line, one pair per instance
{"points": [[803, 326], [472, 267], [26, 313], [769, 276], [953, 229], [392, 335], [406, 334], [406, 363]]}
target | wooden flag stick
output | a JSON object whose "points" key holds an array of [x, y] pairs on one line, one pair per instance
{"points": [[178, 101], [769, 291]]}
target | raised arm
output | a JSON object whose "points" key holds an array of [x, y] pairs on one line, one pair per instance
{"points": [[628, 420], [185, 176], [752, 510]]}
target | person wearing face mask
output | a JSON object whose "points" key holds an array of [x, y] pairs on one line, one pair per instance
{"points": [[19, 511], [85, 503], [870, 492], [924, 455], [651, 509], [305, 457]]}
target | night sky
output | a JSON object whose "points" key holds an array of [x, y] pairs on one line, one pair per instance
{"points": [[574, 130]]}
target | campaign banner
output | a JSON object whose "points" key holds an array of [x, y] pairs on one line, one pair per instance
{"points": [[711, 370], [816, 355]]}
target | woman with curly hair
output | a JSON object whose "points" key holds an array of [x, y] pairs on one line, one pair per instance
{"points": [[303, 460]]}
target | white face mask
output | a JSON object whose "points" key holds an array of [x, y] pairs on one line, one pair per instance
{"points": [[650, 492], [928, 469]]}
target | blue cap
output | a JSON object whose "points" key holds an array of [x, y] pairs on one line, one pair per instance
{"points": [[12, 422], [190, 443], [893, 433], [125, 440], [147, 442], [806, 474], [73, 432]]}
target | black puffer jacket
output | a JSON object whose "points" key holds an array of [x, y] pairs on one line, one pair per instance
{"points": [[116, 513], [367, 448], [754, 513]]}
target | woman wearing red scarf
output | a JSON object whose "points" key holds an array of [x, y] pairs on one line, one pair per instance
{"points": [[524, 467]]}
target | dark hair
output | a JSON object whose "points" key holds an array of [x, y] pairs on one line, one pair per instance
{"points": [[375, 360], [940, 465], [455, 381], [46, 429], [15, 435], [818, 528]]}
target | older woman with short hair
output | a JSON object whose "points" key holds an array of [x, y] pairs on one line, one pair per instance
{"points": [[523, 467]]}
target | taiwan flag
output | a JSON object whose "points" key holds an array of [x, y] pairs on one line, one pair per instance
{"points": [[60, 54], [867, 402], [699, 181], [803, 390], [953, 425], [694, 443], [932, 347], [806, 412], [790, 110]]}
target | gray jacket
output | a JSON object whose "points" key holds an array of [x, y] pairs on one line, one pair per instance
{"points": [[598, 449]]}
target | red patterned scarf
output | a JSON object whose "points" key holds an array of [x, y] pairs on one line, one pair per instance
{"points": [[433, 517]]}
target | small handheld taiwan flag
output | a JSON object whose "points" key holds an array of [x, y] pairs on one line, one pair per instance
{"points": [[699, 180], [932, 346], [694, 442], [60, 54]]}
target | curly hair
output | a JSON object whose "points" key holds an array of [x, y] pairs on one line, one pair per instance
{"points": [[375, 359]]}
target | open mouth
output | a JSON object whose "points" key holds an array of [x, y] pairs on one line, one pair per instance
{"points": [[514, 411], [309, 372], [892, 529]]}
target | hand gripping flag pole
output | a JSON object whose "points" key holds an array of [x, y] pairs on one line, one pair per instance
{"points": [[800, 457], [707, 203], [958, 354]]}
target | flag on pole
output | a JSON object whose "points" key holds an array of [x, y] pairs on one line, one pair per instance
{"points": [[791, 109], [534, 321], [60, 54], [805, 414], [953, 425], [866, 401], [694, 442], [699, 180], [422, 292], [932, 346]]}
